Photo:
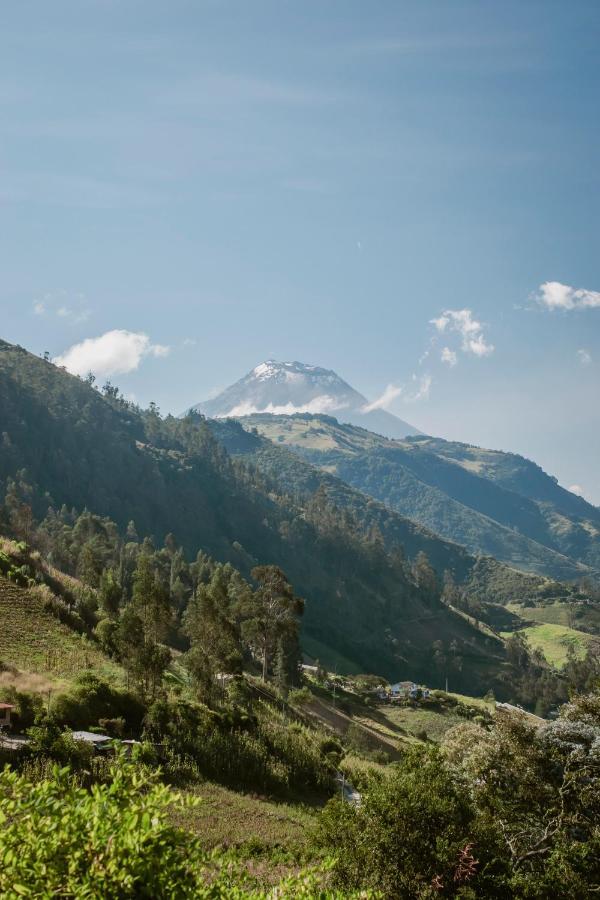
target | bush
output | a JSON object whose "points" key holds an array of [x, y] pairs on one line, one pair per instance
{"points": [[412, 836], [92, 699], [27, 707], [112, 842]]}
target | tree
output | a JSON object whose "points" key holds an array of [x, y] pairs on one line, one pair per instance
{"points": [[272, 612], [413, 835], [143, 627], [111, 593], [214, 637], [425, 577]]}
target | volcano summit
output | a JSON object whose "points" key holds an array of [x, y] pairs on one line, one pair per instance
{"points": [[285, 388]]}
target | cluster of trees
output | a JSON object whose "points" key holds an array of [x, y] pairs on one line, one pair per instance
{"points": [[508, 812], [138, 601]]}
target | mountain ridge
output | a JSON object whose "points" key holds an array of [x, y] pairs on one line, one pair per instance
{"points": [[477, 498], [291, 387]]}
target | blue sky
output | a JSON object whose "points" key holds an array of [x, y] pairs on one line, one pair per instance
{"points": [[318, 181]]}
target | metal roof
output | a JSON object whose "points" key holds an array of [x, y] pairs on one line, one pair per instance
{"points": [[90, 736]]}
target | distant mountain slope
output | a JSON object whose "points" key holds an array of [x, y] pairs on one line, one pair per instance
{"points": [[291, 387], [493, 503], [78, 447]]}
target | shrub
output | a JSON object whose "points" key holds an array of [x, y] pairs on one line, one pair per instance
{"points": [[27, 707], [410, 834], [114, 841], [92, 699]]}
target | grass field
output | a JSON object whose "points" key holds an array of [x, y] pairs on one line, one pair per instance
{"points": [[34, 641], [552, 613], [554, 641], [416, 722], [227, 818]]}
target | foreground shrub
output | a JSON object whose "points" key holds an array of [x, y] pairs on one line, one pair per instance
{"points": [[115, 842], [58, 839]]}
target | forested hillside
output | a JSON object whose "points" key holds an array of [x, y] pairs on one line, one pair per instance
{"points": [[494, 503], [64, 443]]}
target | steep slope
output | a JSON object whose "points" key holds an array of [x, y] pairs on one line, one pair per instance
{"points": [[33, 641], [290, 387], [483, 576], [75, 446], [481, 499]]}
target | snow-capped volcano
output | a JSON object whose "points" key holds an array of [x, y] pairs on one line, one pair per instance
{"points": [[285, 388]]}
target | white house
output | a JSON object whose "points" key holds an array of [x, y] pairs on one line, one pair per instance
{"points": [[403, 689], [407, 689]]}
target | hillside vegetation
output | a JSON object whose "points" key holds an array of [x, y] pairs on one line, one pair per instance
{"points": [[494, 503], [68, 445]]}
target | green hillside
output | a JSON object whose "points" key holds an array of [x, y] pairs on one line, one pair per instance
{"points": [[482, 576], [34, 641], [67, 444], [494, 503]]}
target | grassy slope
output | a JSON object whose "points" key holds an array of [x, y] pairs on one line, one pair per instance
{"points": [[554, 641], [35, 642], [227, 818]]}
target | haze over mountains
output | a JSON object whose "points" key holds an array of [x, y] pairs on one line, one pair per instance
{"points": [[294, 387], [493, 503]]}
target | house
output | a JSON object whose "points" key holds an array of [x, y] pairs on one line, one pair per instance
{"points": [[5, 711], [403, 689], [98, 741], [310, 670]]}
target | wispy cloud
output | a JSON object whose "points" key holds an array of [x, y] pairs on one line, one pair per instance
{"points": [[461, 322], [386, 399], [585, 357], [113, 353], [449, 357], [553, 295], [420, 388], [218, 88], [576, 489], [63, 305]]}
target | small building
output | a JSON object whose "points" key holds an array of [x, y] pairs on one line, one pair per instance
{"points": [[403, 689], [5, 710], [98, 741]]}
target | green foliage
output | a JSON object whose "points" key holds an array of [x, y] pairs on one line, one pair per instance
{"points": [[412, 835], [175, 477], [114, 841], [91, 699]]}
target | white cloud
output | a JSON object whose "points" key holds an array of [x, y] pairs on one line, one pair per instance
{"points": [[576, 489], [114, 353], [422, 388], [189, 342], [64, 305], [585, 357], [322, 404], [449, 356], [461, 321], [382, 402], [553, 295]]}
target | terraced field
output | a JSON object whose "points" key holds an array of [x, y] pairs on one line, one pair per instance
{"points": [[34, 641]]}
